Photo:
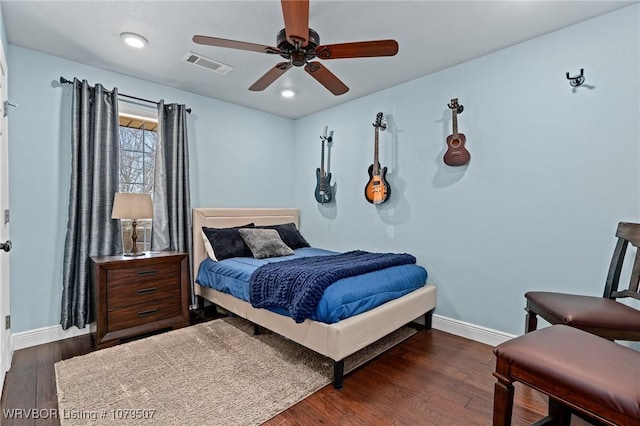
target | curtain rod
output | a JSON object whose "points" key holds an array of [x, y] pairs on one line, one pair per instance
{"points": [[64, 80]]}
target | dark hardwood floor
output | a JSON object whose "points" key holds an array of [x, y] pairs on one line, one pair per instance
{"points": [[433, 378]]}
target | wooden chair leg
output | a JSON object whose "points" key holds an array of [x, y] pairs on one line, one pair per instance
{"points": [[560, 412], [531, 323], [502, 404], [559, 415], [502, 395]]}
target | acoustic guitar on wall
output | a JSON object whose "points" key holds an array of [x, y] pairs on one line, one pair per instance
{"points": [[323, 192], [377, 190], [457, 154]]}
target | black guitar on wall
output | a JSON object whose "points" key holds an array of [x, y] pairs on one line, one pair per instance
{"points": [[377, 190], [323, 192]]}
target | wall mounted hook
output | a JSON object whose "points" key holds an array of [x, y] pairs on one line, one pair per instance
{"points": [[5, 109], [577, 80], [455, 105]]}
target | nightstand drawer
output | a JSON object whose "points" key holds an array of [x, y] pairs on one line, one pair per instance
{"points": [[148, 272], [142, 313], [131, 293]]}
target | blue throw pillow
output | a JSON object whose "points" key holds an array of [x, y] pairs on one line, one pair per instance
{"points": [[227, 242], [289, 234]]}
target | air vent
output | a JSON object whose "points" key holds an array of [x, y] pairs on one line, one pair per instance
{"points": [[210, 64]]}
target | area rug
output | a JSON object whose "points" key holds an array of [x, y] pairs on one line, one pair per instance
{"points": [[214, 373]]}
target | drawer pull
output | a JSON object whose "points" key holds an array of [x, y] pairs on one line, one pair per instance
{"points": [[147, 290], [146, 273], [147, 312]]}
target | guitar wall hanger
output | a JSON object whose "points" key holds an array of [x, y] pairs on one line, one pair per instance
{"points": [[329, 137], [576, 80]]}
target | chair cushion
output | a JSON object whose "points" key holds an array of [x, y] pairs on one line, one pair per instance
{"points": [[586, 311], [580, 364]]}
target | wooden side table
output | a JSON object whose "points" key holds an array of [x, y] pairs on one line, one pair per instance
{"points": [[132, 296]]}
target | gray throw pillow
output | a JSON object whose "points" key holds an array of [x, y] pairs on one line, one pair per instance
{"points": [[264, 243]]}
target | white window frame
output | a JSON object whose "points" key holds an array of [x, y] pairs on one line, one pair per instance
{"points": [[135, 110]]}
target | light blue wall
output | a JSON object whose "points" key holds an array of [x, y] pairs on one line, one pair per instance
{"points": [[552, 171], [231, 148]]}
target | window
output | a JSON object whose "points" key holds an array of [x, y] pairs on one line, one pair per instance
{"points": [[138, 138]]}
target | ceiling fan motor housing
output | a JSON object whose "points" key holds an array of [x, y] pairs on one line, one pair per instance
{"points": [[298, 55]]}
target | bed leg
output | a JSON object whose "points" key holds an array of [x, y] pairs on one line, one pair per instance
{"points": [[338, 374], [428, 319], [200, 301], [256, 329]]}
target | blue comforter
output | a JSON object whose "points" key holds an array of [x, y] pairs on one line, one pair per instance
{"points": [[298, 284]]}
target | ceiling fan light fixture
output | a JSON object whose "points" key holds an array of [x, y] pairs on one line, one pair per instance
{"points": [[134, 40], [298, 44], [287, 93]]}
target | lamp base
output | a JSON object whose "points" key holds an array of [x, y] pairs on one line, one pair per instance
{"points": [[134, 241], [138, 253]]}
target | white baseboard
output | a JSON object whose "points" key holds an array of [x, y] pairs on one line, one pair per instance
{"points": [[7, 358], [470, 331], [39, 336]]}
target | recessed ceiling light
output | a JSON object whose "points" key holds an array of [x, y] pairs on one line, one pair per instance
{"points": [[288, 93], [134, 40]]}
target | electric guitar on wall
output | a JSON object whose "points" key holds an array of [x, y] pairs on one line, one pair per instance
{"points": [[377, 190], [323, 179], [457, 154]]}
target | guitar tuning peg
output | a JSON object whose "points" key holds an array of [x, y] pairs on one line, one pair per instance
{"points": [[330, 138]]}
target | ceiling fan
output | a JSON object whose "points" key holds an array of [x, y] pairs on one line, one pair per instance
{"points": [[299, 44]]}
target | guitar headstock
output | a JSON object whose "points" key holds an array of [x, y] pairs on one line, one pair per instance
{"points": [[379, 123], [454, 105], [326, 135]]}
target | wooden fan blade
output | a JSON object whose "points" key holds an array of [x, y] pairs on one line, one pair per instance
{"points": [[296, 21], [270, 76], [326, 78], [360, 49], [234, 44]]}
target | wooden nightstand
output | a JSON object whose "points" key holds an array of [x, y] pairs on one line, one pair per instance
{"points": [[133, 296]]}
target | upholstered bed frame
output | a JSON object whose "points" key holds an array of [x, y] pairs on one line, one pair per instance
{"points": [[335, 341]]}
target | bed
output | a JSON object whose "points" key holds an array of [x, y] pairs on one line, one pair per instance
{"points": [[336, 341]]}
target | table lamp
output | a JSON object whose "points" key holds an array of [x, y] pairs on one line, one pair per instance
{"points": [[134, 206]]}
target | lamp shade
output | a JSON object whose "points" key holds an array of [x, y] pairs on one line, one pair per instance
{"points": [[129, 205]]}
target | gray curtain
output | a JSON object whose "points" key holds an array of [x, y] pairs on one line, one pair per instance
{"points": [[171, 195], [94, 181]]}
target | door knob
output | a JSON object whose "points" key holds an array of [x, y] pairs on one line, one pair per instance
{"points": [[6, 246]]}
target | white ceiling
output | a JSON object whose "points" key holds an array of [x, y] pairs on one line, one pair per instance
{"points": [[432, 35]]}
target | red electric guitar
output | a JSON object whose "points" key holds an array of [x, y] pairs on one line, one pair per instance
{"points": [[457, 154]]}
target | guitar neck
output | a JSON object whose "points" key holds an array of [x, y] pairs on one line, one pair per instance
{"points": [[454, 119], [376, 163], [322, 173]]}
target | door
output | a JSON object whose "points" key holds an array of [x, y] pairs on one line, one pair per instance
{"points": [[6, 349]]}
